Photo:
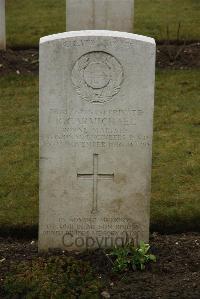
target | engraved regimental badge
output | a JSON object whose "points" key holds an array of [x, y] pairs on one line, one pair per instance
{"points": [[97, 77]]}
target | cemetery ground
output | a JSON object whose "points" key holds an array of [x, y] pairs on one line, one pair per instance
{"points": [[176, 274], [175, 206]]}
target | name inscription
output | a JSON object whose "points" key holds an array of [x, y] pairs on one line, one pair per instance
{"points": [[101, 128]]}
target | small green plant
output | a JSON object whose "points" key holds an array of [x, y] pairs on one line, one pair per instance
{"points": [[130, 257]]}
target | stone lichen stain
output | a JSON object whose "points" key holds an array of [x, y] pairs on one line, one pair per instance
{"points": [[137, 202], [117, 204], [120, 179], [140, 200]]}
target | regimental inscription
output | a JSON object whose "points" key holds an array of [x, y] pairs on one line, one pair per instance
{"points": [[97, 77], [90, 43], [102, 128], [95, 176]]}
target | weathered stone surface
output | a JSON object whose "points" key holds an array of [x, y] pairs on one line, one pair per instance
{"points": [[2, 26], [96, 117], [115, 15]]}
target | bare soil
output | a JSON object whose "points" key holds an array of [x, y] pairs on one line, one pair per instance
{"points": [[169, 55], [176, 274]]}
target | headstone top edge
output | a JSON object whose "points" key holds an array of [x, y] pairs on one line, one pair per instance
{"points": [[96, 33]]}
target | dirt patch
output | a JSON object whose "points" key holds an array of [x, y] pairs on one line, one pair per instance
{"points": [[171, 56], [176, 274], [19, 61], [179, 56]]}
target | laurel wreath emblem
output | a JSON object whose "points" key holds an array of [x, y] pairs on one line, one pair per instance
{"points": [[97, 76]]}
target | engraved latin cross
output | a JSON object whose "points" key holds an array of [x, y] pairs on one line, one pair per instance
{"points": [[95, 176]]}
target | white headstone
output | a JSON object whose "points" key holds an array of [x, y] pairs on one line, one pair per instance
{"points": [[100, 14], [96, 119], [2, 26]]}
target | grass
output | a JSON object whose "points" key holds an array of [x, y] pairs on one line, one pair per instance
{"points": [[152, 17], [19, 150], [176, 160], [28, 20], [175, 201]]}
